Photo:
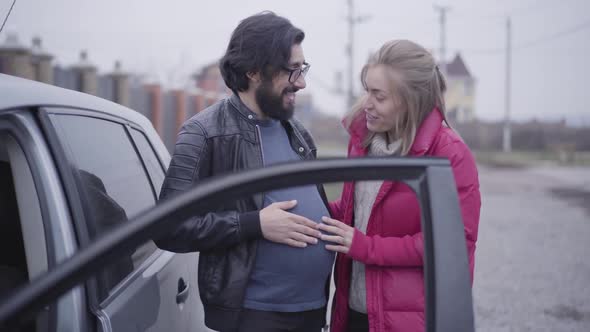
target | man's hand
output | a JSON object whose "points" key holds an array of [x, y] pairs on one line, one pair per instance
{"points": [[281, 226]]}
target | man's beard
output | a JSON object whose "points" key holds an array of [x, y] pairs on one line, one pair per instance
{"points": [[271, 104]]}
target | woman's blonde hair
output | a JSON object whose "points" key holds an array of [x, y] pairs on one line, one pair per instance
{"points": [[417, 84]]}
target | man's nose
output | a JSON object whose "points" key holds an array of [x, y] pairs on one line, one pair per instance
{"points": [[300, 82]]}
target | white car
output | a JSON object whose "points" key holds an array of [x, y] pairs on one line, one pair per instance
{"points": [[73, 166]]}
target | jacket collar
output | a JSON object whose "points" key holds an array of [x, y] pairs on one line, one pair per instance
{"points": [[424, 136], [242, 108], [248, 114], [427, 133]]}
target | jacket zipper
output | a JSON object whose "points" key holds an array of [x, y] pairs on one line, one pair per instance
{"points": [[305, 157], [260, 141], [262, 159]]}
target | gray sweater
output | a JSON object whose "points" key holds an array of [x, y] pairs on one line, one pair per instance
{"points": [[365, 193], [287, 279]]}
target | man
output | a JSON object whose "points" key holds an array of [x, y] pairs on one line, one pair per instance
{"points": [[262, 267]]}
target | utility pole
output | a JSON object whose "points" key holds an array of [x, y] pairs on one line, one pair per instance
{"points": [[443, 36], [507, 136], [352, 20]]}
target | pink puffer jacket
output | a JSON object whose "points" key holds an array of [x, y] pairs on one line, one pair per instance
{"points": [[392, 249]]}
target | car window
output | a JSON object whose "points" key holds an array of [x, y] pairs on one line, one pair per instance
{"points": [[151, 161], [113, 181]]}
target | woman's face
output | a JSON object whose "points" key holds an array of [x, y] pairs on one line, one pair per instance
{"points": [[381, 106]]}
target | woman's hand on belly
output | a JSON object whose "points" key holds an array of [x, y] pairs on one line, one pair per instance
{"points": [[338, 233]]}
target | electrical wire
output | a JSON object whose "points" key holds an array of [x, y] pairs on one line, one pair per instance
{"points": [[7, 15]]}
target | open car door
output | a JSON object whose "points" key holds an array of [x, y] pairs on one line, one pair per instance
{"points": [[448, 300]]}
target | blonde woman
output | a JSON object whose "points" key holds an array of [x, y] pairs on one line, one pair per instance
{"points": [[376, 225]]}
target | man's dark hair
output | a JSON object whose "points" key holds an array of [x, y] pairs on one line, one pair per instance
{"points": [[260, 43]]}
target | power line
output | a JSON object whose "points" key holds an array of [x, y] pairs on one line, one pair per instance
{"points": [[482, 51], [571, 30], [532, 7], [6, 18], [528, 44]]}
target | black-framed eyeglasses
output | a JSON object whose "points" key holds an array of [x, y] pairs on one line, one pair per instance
{"points": [[294, 74]]}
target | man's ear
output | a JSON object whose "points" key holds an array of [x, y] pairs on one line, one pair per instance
{"points": [[254, 77]]}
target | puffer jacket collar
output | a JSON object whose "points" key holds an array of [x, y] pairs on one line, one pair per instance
{"points": [[424, 136]]}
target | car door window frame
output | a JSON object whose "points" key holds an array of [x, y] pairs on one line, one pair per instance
{"points": [[14, 128], [131, 128], [73, 195], [72, 186]]}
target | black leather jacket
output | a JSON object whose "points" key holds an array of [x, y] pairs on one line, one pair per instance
{"points": [[223, 139]]}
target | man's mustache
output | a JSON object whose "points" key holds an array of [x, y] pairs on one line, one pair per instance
{"points": [[290, 89]]}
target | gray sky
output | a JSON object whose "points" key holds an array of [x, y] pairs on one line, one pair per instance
{"points": [[170, 38]]}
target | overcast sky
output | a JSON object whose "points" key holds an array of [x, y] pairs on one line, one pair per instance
{"points": [[171, 38]]}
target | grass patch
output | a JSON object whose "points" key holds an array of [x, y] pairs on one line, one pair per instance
{"points": [[333, 190], [331, 150], [518, 159]]}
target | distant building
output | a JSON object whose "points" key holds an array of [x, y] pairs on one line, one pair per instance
{"points": [[460, 96], [15, 58], [210, 84], [119, 86], [86, 75], [166, 108], [41, 62], [209, 79]]}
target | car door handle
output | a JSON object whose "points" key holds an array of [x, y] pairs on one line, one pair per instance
{"points": [[183, 291]]}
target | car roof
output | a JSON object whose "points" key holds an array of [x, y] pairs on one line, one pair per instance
{"points": [[18, 93], [21, 93]]}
